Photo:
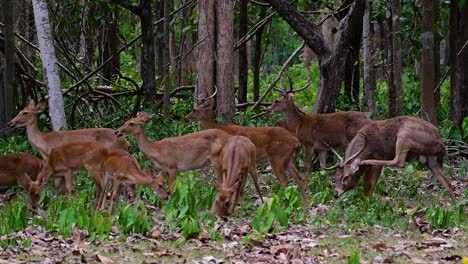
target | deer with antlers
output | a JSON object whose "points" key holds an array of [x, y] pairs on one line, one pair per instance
{"points": [[14, 169], [317, 132], [45, 142], [237, 159], [273, 144], [390, 142], [175, 154]]}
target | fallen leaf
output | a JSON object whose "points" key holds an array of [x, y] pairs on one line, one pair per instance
{"points": [[103, 259]]}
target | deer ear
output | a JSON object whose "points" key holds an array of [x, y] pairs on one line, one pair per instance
{"points": [[234, 187], [145, 117], [40, 107], [25, 181], [356, 164], [208, 104]]}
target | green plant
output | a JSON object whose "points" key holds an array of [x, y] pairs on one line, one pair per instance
{"points": [[134, 219], [445, 218]]}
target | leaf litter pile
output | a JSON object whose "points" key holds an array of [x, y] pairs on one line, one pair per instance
{"points": [[323, 237]]}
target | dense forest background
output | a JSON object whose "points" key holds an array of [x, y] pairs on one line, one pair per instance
{"points": [[383, 57]]}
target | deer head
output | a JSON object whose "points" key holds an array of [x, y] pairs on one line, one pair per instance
{"points": [[158, 184], [224, 198], [34, 188], [27, 116], [202, 108], [286, 99], [134, 125]]}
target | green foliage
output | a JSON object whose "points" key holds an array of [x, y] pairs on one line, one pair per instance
{"points": [[16, 217], [284, 206], [445, 218], [134, 219], [354, 258]]}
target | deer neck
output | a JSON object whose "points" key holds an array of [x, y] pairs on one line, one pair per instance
{"points": [[293, 117], [208, 122], [143, 141], [36, 137]]}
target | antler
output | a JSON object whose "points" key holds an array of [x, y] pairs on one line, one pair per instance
{"points": [[359, 152], [340, 159], [201, 100]]}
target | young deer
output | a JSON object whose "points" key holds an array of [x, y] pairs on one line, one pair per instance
{"points": [[237, 159], [274, 144], [15, 168], [175, 154], [45, 142], [317, 132], [94, 157], [390, 142]]}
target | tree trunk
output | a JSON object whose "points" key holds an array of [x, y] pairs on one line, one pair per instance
{"points": [[243, 63], [369, 71], [437, 53], [331, 61], [49, 63], [397, 96], [166, 62], [159, 38], [111, 43], [455, 85], [224, 59], [462, 61], [257, 60], [206, 49], [147, 54], [428, 74], [7, 104]]}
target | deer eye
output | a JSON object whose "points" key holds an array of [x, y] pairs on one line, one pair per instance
{"points": [[131, 124], [345, 179]]}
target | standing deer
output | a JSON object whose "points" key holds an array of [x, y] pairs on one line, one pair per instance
{"points": [[15, 168], [45, 142], [390, 142], [317, 132], [237, 159], [274, 144], [175, 154], [93, 156]]}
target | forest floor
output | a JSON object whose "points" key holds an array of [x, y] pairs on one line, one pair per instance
{"points": [[327, 241]]}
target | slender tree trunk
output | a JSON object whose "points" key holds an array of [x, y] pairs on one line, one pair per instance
{"points": [[159, 38], [396, 65], [462, 60], [257, 60], [111, 43], [7, 104], [368, 55], [428, 74], [49, 63], [166, 61], [455, 85], [207, 37], [147, 55], [243, 63], [224, 59], [437, 53]]}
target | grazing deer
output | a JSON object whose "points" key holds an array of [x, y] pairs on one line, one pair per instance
{"points": [[390, 142], [100, 161], [237, 160], [274, 144], [175, 154], [45, 142], [14, 169], [317, 132]]}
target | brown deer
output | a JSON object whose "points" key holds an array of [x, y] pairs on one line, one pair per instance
{"points": [[237, 159], [175, 154], [274, 144], [390, 142], [14, 169], [45, 142], [317, 132], [93, 156]]}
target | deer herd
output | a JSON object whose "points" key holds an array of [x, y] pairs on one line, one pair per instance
{"points": [[231, 150]]}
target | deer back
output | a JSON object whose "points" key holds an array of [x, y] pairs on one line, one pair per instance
{"points": [[12, 166]]}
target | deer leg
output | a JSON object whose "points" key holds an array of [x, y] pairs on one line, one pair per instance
{"points": [[115, 190], [172, 178], [322, 156], [253, 174], [68, 183], [278, 171], [59, 185], [294, 172], [371, 174], [401, 151], [217, 168], [438, 172], [308, 159]]}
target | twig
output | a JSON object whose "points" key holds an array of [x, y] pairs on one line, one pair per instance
{"points": [[254, 30], [278, 76]]}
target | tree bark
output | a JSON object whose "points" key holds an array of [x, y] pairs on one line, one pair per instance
{"points": [[455, 85], [166, 61], [224, 59], [436, 53], [111, 44], [396, 94], [462, 61], [331, 61], [206, 58], [428, 74], [243, 62], [368, 55], [49, 63], [257, 60], [7, 104]]}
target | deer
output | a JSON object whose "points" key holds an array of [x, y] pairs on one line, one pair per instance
{"points": [[94, 156], [237, 159], [317, 132], [44, 142], [390, 142], [176, 154], [276, 145], [15, 167]]}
